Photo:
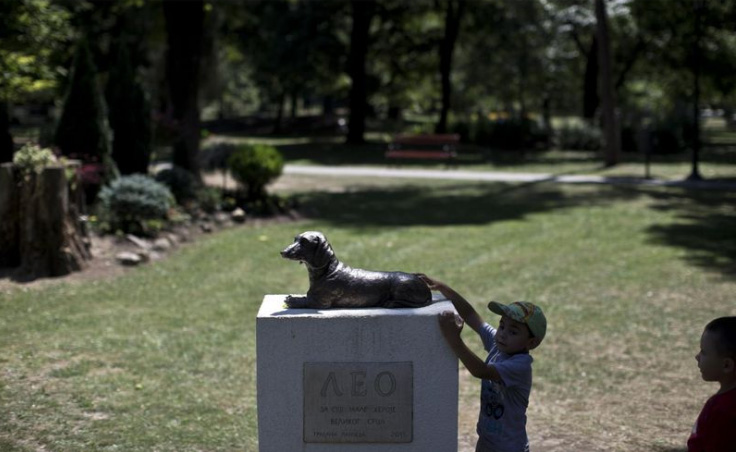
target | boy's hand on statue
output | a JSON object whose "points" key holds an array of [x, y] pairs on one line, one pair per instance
{"points": [[451, 324]]}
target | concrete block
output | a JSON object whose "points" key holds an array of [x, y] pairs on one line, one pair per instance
{"points": [[355, 380]]}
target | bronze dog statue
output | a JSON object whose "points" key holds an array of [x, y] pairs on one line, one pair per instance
{"points": [[332, 284]]}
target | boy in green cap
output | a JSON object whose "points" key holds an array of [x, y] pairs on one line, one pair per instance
{"points": [[506, 374]]}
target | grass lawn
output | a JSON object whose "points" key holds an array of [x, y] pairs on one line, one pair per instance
{"points": [[163, 357]]}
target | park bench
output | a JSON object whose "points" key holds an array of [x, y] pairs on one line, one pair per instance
{"points": [[424, 147]]}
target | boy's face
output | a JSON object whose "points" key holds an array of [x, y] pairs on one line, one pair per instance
{"points": [[514, 336], [713, 366]]}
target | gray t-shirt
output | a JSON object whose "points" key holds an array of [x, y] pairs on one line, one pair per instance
{"points": [[502, 419]]}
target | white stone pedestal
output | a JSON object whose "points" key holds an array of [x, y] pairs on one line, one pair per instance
{"points": [[355, 380]]}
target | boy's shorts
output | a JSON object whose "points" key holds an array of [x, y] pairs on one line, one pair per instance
{"points": [[484, 446]]}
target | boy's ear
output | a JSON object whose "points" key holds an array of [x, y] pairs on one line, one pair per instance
{"points": [[534, 343], [729, 365]]}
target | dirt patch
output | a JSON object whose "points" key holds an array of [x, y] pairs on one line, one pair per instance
{"points": [[104, 248]]}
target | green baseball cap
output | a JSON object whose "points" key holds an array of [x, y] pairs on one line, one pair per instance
{"points": [[524, 312]]}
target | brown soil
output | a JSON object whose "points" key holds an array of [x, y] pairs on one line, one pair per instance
{"points": [[104, 266]]}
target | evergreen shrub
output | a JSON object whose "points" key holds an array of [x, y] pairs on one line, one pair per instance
{"points": [[182, 184], [502, 131], [579, 138], [83, 132], [254, 166], [129, 202], [215, 155], [209, 199]]}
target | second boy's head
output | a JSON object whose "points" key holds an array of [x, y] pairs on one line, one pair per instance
{"points": [[717, 356], [522, 328]]}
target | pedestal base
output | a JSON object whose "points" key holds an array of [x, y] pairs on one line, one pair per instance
{"points": [[355, 380]]}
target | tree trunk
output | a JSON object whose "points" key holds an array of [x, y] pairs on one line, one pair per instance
{"points": [[49, 237], [608, 98], [9, 252], [185, 30], [362, 13], [278, 121], [453, 16], [294, 98], [590, 83], [6, 139], [328, 106]]}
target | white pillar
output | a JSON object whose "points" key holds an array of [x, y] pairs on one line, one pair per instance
{"points": [[355, 380]]}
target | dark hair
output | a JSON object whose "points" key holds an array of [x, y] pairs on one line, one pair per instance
{"points": [[725, 329]]}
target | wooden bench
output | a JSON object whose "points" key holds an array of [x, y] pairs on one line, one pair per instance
{"points": [[424, 147]]}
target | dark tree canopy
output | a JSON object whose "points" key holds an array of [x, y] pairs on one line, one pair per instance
{"points": [[130, 115], [184, 27], [83, 131]]}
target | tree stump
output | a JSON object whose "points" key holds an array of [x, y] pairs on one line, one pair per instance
{"points": [[44, 211], [9, 252]]}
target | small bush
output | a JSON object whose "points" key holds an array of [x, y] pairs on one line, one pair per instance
{"points": [[130, 202], [32, 158], [180, 182], [215, 156], [579, 138], [254, 167], [209, 199], [502, 131], [511, 134]]}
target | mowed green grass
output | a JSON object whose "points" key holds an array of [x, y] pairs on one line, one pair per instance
{"points": [[163, 357]]}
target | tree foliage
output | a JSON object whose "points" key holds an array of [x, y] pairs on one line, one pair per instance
{"points": [[392, 59], [83, 131]]}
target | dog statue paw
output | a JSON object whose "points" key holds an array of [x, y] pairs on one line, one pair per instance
{"points": [[295, 302], [333, 284]]}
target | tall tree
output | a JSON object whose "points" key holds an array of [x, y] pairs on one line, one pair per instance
{"points": [[34, 34], [453, 15], [292, 49], [185, 31], [608, 99], [129, 114], [83, 131], [362, 14], [127, 97], [6, 139]]}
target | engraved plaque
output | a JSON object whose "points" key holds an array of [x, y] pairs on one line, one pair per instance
{"points": [[358, 402]]}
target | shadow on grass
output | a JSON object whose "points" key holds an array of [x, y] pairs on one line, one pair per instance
{"points": [[448, 204], [705, 227]]}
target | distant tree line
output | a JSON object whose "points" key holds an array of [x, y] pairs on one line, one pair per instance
{"points": [[148, 72]]}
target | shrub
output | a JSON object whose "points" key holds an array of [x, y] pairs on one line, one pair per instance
{"points": [[511, 134], [129, 113], [462, 128], [32, 158], [181, 182], [254, 167], [83, 131], [129, 202], [579, 138], [215, 156], [209, 199], [91, 176], [502, 131]]}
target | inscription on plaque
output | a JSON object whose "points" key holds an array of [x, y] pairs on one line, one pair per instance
{"points": [[358, 402]]}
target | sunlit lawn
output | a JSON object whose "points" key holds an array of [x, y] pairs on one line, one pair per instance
{"points": [[163, 358]]}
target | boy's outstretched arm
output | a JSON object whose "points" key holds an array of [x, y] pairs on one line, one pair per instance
{"points": [[451, 327], [463, 307]]}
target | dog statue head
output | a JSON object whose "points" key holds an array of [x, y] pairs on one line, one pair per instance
{"points": [[310, 248]]}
